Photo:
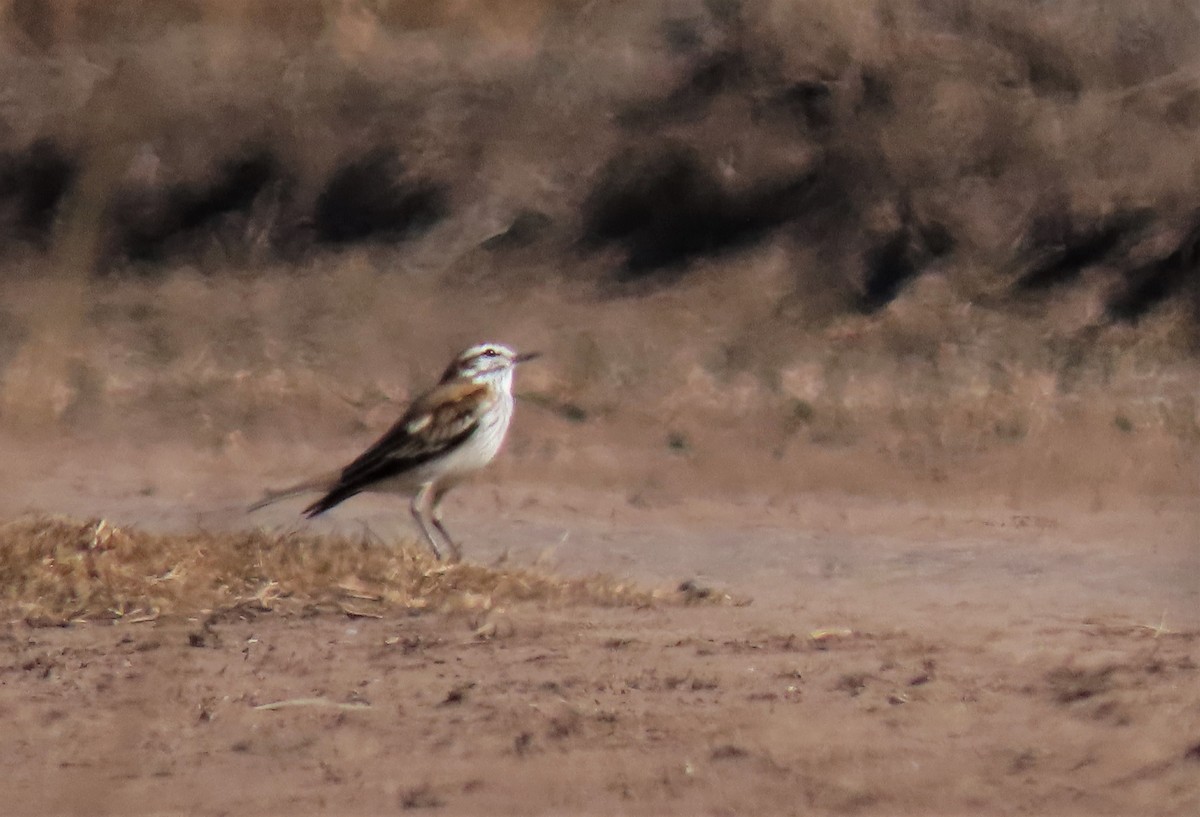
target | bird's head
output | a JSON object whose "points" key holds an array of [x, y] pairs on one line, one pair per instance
{"points": [[485, 361]]}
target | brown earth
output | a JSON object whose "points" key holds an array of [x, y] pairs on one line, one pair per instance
{"points": [[879, 656]]}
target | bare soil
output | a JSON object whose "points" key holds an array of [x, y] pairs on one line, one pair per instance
{"points": [[877, 657]]}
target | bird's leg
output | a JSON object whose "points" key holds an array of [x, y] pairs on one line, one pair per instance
{"points": [[455, 550], [419, 507]]}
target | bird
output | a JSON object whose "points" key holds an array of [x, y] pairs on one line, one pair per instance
{"points": [[444, 435]]}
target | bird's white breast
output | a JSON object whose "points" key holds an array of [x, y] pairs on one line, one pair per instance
{"points": [[482, 446]]}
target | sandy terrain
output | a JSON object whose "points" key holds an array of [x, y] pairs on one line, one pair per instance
{"points": [[879, 657]]}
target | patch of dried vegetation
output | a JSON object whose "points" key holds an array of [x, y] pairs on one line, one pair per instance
{"points": [[58, 570], [927, 232]]}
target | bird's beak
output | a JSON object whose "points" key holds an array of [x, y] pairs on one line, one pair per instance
{"points": [[526, 356]]}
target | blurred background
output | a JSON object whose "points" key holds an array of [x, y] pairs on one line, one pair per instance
{"points": [[927, 249]]}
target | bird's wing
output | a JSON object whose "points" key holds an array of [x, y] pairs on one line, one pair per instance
{"points": [[436, 422]]}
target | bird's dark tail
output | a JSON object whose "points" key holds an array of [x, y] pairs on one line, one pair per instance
{"points": [[319, 483], [334, 497]]}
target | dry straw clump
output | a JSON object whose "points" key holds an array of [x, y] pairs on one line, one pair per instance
{"points": [[59, 570]]}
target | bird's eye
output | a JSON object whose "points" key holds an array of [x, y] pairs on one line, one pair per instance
{"points": [[489, 352]]}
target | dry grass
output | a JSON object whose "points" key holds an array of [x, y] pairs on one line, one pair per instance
{"points": [[62, 570], [1017, 131]]}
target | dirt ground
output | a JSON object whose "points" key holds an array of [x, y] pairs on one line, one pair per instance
{"points": [[878, 657]]}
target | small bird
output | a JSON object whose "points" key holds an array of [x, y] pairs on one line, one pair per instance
{"points": [[444, 435]]}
